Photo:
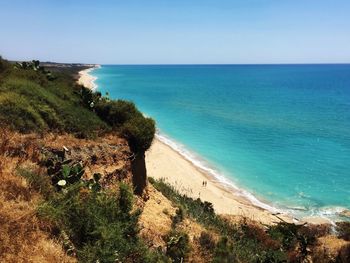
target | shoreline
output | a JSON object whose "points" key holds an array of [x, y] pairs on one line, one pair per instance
{"points": [[86, 79], [164, 161]]}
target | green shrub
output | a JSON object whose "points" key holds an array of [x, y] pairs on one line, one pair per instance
{"points": [[116, 112], [178, 217], [237, 243], [139, 131], [124, 117], [224, 252], [177, 246], [101, 226]]}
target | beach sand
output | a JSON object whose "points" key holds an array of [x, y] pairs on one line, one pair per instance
{"points": [[86, 79], [162, 161]]}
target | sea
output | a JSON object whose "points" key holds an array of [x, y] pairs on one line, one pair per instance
{"points": [[280, 133]]}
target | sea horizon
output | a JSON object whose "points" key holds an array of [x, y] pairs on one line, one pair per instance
{"points": [[222, 172], [213, 64]]}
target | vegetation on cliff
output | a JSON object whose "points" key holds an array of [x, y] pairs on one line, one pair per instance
{"points": [[30, 101]]}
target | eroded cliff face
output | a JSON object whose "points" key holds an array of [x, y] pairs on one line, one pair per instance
{"points": [[109, 156]]}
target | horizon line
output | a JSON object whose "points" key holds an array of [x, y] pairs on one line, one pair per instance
{"points": [[212, 64]]}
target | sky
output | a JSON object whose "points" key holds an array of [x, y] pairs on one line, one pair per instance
{"points": [[176, 31]]}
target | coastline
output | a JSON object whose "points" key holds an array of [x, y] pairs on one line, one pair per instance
{"points": [[163, 161], [86, 79]]}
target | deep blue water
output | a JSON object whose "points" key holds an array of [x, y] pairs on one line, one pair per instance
{"points": [[280, 131]]}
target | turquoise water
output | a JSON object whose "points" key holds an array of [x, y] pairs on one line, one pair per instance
{"points": [[282, 132]]}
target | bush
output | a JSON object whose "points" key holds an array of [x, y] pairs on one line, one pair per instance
{"points": [[206, 241], [238, 243], [177, 246], [179, 216], [100, 226], [140, 133], [224, 252], [123, 116], [117, 112]]}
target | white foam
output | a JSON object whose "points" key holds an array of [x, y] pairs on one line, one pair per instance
{"points": [[93, 78]]}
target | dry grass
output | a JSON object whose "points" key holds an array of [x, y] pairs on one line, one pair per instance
{"points": [[329, 247], [155, 220], [22, 236], [156, 223]]}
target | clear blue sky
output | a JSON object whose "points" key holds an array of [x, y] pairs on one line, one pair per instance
{"points": [[176, 31]]}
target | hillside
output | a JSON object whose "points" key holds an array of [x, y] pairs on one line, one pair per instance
{"points": [[73, 187]]}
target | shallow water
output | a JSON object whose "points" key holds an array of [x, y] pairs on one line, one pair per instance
{"points": [[282, 132]]}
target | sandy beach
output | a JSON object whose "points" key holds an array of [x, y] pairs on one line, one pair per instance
{"points": [[164, 162], [86, 79]]}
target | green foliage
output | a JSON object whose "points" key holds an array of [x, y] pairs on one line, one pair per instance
{"points": [[123, 116], [117, 112], [17, 113], [100, 226], [33, 100], [297, 238], [140, 133], [95, 225], [89, 98], [286, 233], [65, 172], [29, 102], [35, 66], [179, 216], [237, 243], [223, 252], [94, 184], [126, 198], [178, 246]]}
